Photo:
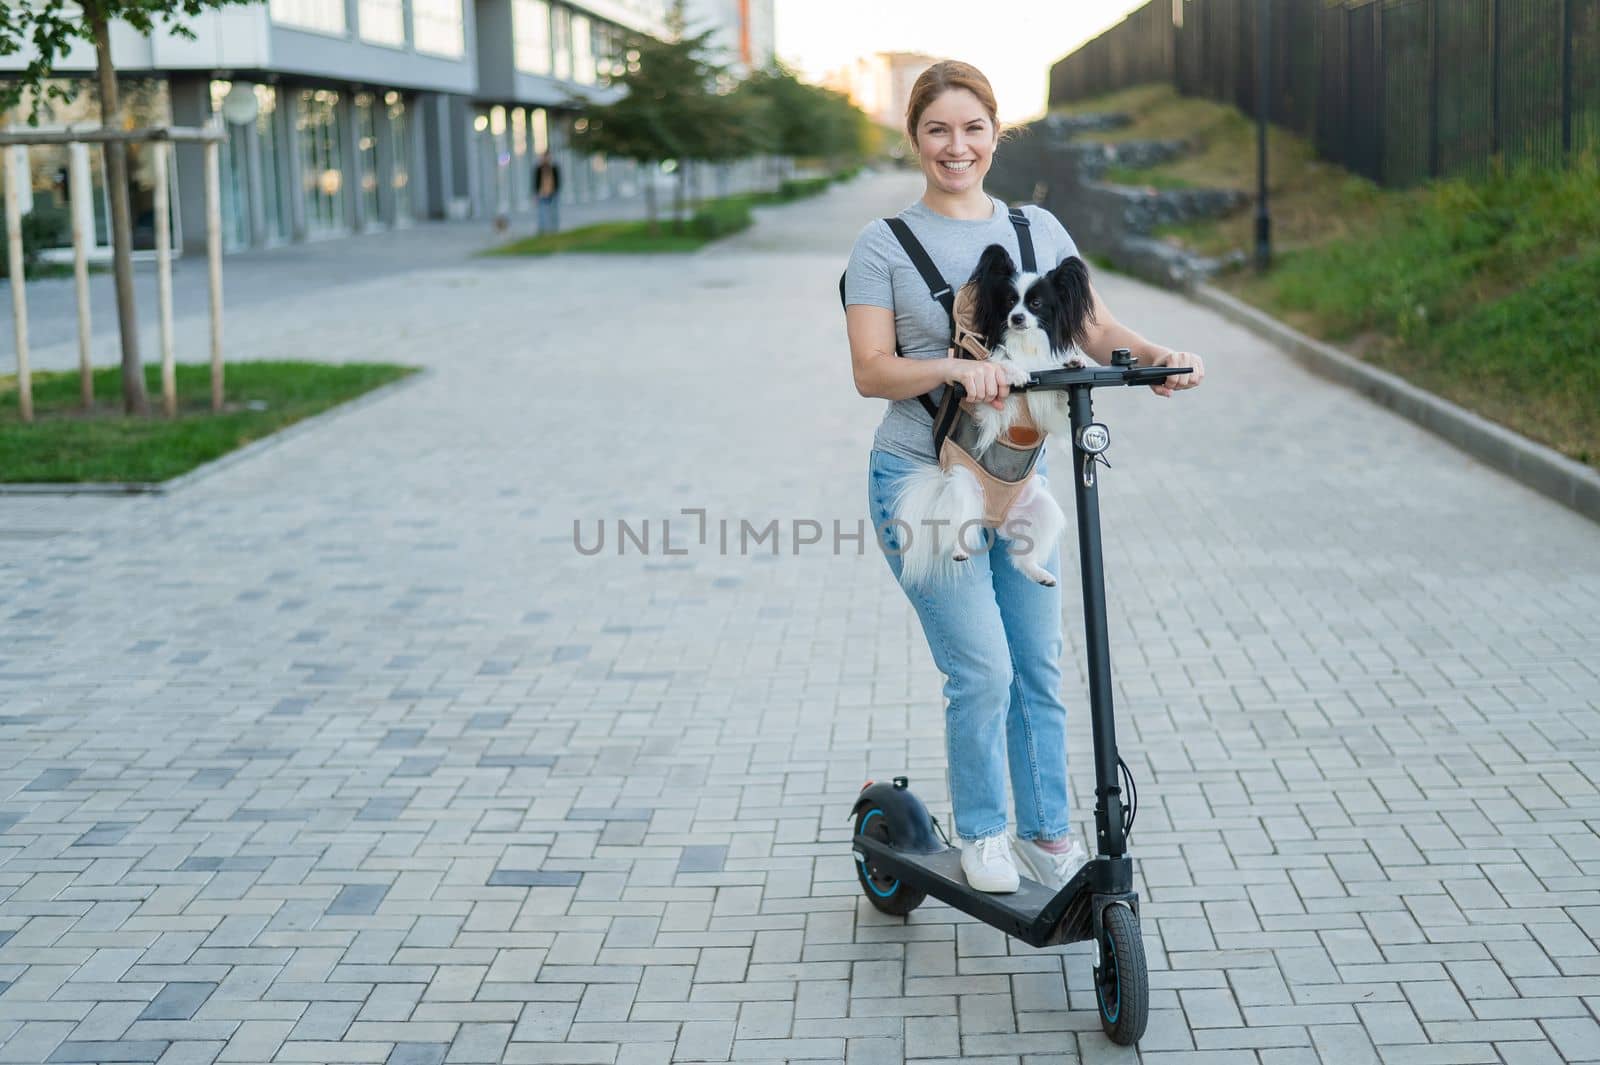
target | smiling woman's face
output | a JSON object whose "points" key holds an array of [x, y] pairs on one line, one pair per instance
{"points": [[955, 142]]}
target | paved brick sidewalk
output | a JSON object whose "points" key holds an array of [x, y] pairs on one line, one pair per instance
{"points": [[348, 754]]}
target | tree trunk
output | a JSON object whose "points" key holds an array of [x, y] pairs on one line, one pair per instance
{"points": [[677, 199], [650, 194], [133, 394]]}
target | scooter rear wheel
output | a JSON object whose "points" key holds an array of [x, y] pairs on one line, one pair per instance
{"points": [[886, 893], [1121, 981]]}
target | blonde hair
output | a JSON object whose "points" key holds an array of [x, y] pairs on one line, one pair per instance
{"points": [[939, 79]]}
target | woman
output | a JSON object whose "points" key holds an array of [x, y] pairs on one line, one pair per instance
{"points": [[994, 633]]}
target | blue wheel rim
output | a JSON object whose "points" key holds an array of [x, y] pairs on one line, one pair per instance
{"points": [[866, 874], [1115, 1009]]}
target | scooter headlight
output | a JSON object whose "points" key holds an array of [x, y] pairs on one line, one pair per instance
{"points": [[1093, 438]]}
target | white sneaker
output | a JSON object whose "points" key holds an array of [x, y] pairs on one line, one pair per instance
{"points": [[1051, 870], [988, 865]]}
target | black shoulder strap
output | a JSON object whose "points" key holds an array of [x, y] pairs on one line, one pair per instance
{"points": [[937, 287], [1019, 222]]}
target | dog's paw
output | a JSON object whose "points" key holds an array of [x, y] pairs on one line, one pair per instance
{"points": [[1015, 375], [1078, 362]]}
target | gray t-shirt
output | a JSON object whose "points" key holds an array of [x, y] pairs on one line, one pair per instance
{"points": [[880, 274]]}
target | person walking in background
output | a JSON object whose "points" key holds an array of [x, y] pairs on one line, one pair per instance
{"points": [[547, 189]]}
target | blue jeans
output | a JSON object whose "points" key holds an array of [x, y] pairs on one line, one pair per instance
{"points": [[996, 636], [549, 215]]}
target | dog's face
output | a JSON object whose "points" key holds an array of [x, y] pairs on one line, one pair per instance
{"points": [[1056, 307]]}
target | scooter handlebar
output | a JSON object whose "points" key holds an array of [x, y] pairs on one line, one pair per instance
{"points": [[1090, 377]]}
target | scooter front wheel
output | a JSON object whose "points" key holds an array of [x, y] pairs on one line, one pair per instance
{"points": [[1121, 981], [886, 893]]}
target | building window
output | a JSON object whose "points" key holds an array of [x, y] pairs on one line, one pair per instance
{"points": [[436, 27], [530, 28], [367, 159], [273, 153], [324, 15], [541, 131], [400, 135], [582, 51], [234, 159], [607, 49], [561, 30], [383, 22], [321, 165]]}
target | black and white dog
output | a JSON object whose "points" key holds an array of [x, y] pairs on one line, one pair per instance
{"points": [[1028, 322]]}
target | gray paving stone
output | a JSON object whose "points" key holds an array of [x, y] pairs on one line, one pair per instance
{"points": [[353, 737], [178, 1001]]}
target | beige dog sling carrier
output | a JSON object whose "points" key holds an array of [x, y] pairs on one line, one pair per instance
{"points": [[1004, 468]]}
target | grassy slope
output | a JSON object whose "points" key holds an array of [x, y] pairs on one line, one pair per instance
{"points": [[1486, 293]]}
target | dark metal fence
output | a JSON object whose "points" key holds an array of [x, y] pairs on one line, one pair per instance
{"points": [[1396, 90]]}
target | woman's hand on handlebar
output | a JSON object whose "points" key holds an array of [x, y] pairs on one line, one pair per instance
{"points": [[983, 381], [1179, 382]]}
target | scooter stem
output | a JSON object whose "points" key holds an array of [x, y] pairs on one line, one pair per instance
{"points": [[1108, 809]]}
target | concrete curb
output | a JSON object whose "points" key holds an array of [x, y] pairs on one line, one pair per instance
{"points": [[1540, 468], [217, 465]]}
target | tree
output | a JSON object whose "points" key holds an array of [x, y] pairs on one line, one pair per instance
{"points": [[808, 121], [49, 28], [670, 108]]}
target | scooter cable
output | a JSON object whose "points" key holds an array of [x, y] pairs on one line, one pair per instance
{"points": [[1132, 809]]}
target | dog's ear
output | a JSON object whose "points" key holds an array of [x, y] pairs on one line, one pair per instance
{"points": [[1070, 281], [993, 279], [995, 262]]}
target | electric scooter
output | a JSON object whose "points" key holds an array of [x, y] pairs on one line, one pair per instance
{"points": [[902, 856]]}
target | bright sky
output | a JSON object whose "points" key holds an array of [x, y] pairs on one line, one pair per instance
{"points": [[1012, 41]]}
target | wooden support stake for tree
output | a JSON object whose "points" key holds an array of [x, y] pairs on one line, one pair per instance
{"points": [[163, 213], [16, 174], [214, 261], [80, 193]]}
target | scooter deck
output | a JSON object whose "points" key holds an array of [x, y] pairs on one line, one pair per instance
{"points": [[1032, 913]]}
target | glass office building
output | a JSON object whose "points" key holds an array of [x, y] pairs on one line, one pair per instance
{"points": [[353, 117]]}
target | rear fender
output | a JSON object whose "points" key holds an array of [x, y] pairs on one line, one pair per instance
{"points": [[910, 824]]}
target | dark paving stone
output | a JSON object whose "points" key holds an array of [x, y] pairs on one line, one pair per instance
{"points": [[532, 878], [417, 766], [103, 1052], [488, 720], [515, 761], [384, 809], [402, 738], [702, 859], [358, 899], [212, 778], [251, 814], [104, 834], [418, 1054], [618, 813], [178, 1002], [200, 864], [53, 779]]}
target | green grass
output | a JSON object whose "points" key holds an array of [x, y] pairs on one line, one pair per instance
{"points": [[712, 220], [1126, 175], [614, 237], [1486, 292], [66, 444]]}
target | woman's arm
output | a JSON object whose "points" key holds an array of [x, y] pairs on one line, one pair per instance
{"points": [[1106, 335], [879, 372]]}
